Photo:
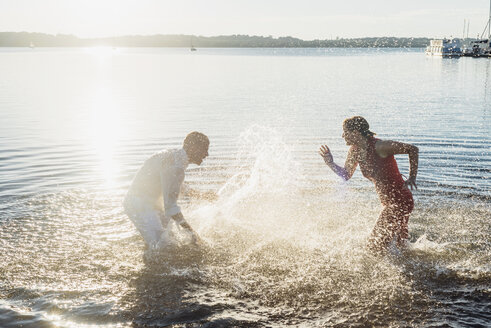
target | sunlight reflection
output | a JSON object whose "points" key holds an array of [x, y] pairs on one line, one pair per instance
{"points": [[58, 321], [105, 131], [101, 52]]}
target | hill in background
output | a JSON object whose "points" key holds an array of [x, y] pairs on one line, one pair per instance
{"points": [[24, 39]]}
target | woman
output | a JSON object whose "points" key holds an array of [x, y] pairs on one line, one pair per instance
{"points": [[377, 163]]}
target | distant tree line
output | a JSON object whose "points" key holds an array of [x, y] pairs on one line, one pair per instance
{"points": [[25, 39]]}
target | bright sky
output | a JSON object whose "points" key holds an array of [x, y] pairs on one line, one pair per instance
{"points": [[307, 19]]}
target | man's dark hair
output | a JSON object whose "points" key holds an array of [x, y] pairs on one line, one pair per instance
{"points": [[194, 138]]}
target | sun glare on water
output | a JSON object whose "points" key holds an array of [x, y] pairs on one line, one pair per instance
{"points": [[101, 52], [105, 131]]}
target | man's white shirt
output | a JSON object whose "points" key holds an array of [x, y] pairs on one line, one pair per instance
{"points": [[159, 180]]}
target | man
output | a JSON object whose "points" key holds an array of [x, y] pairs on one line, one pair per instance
{"points": [[152, 198]]}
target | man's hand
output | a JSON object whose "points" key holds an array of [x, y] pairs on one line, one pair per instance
{"points": [[326, 154], [194, 236], [181, 222]]}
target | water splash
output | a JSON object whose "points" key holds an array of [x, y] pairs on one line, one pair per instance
{"points": [[284, 249]]}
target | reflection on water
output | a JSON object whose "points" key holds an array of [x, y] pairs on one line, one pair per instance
{"points": [[106, 130], [285, 238]]}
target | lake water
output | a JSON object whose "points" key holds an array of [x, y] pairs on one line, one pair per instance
{"points": [[286, 236]]}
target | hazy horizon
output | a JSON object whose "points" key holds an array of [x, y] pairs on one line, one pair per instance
{"points": [[317, 20], [214, 35]]}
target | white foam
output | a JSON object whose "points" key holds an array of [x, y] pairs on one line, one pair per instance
{"points": [[423, 244]]}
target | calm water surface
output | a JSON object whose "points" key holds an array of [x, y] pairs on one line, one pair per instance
{"points": [[286, 237]]}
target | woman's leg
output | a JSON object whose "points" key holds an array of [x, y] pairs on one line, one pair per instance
{"points": [[392, 222], [385, 229], [403, 234]]}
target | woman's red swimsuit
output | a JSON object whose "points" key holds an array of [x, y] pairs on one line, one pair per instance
{"points": [[393, 193]]}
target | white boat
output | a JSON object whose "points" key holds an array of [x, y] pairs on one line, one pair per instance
{"points": [[192, 46], [444, 48]]}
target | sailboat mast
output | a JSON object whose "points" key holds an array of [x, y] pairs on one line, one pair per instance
{"points": [[489, 22], [463, 32]]}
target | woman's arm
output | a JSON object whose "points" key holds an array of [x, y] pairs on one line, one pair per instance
{"points": [[386, 148], [350, 164]]}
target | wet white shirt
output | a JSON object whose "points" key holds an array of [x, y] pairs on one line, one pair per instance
{"points": [[159, 180]]}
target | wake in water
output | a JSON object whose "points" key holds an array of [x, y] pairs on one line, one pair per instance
{"points": [[284, 248]]}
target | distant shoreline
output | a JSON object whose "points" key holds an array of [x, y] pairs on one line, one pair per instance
{"points": [[28, 39], [187, 48]]}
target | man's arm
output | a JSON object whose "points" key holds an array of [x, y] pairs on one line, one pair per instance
{"points": [[350, 164], [171, 179]]}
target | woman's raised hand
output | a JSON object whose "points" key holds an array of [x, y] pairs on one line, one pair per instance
{"points": [[326, 154]]}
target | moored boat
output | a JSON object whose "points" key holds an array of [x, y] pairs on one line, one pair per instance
{"points": [[444, 48], [478, 48], [481, 47]]}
